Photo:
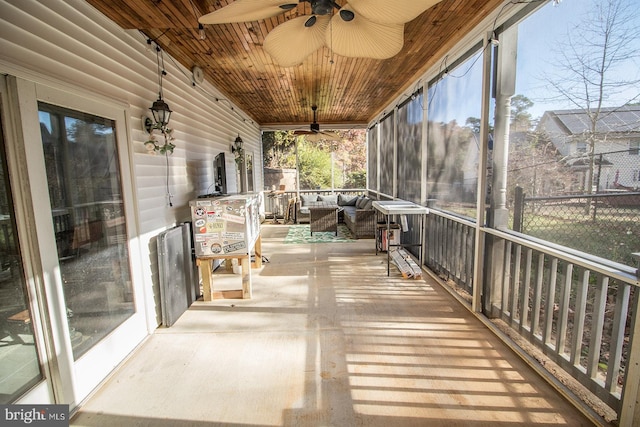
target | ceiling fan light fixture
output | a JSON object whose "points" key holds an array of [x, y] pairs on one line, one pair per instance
{"points": [[361, 29], [288, 6], [322, 7], [314, 134], [315, 126], [347, 15]]}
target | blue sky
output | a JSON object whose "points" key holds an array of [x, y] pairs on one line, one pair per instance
{"points": [[539, 38], [459, 95]]}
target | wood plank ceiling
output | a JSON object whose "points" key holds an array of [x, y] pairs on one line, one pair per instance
{"points": [[347, 91]]}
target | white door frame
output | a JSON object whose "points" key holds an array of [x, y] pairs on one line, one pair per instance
{"points": [[71, 381]]}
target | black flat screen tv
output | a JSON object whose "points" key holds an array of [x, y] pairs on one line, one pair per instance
{"points": [[220, 174]]}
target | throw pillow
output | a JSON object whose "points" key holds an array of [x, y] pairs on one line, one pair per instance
{"points": [[361, 202], [368, 205], [308, 199], [347, 200], [328, 199]]}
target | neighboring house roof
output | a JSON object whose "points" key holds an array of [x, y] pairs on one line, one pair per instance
{"points": [[620, 120]]}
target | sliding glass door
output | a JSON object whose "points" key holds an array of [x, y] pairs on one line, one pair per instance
{"points": [[72, 163], [87, 211], [20, 367]]}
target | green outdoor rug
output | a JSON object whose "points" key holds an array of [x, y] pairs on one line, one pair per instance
{"points": [[301, 234]]}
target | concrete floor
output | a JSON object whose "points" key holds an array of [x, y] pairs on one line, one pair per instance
{"points": [[327, 340]]}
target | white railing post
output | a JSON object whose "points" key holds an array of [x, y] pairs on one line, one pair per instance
{"points": [[629, 414]]}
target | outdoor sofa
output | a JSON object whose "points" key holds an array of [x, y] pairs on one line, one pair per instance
{"points": [[356, 211]]}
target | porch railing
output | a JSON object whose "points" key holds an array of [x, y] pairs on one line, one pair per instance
{"points": [[450, 248], [575, 308]]}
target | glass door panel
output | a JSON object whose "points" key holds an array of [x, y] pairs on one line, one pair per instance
{"points": [[84, 181], [19, 363]]}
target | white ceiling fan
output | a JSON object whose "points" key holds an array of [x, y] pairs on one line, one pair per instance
{"points": [[361, 28]]}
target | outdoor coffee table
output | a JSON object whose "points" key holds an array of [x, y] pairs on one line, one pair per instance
{"points": [[324, 218]]}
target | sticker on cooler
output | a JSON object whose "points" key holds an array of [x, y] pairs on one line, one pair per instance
{"points": [[233, 218]]}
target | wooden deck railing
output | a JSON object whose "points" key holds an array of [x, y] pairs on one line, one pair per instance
{"points": [[575, 308], [450, 248], [579, 310]]}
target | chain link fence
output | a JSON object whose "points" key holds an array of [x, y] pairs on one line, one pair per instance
{"points": [[604, 222], [605, 225]]}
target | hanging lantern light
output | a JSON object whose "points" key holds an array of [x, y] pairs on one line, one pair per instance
{"points": [[161, 116], [161, 112]]}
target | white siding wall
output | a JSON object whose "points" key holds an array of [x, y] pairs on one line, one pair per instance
{"points": [[67, 44]]}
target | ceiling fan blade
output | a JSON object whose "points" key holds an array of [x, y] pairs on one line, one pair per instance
{"points": [[290, 43], [363, 38], [322, 136], [313, 137], [248, 10], [391, 12], [330, 135]]}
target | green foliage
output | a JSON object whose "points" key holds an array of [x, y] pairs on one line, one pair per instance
{"points": [[315, 166], [318, 158], [473, 123], [356, 179], [279, 149], [520, 117]]}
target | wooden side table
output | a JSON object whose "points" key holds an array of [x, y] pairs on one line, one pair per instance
{"points": [[205, 265]]}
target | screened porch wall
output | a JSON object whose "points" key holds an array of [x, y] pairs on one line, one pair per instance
{"points": [[466, 138]]}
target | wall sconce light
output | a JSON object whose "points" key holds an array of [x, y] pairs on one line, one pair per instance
{"points": [[236, 148], [161, 116], [161, 111], [147, 124]]}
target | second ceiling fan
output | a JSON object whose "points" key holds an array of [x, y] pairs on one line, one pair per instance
{"points": [[314, 133], [361, 28]]}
